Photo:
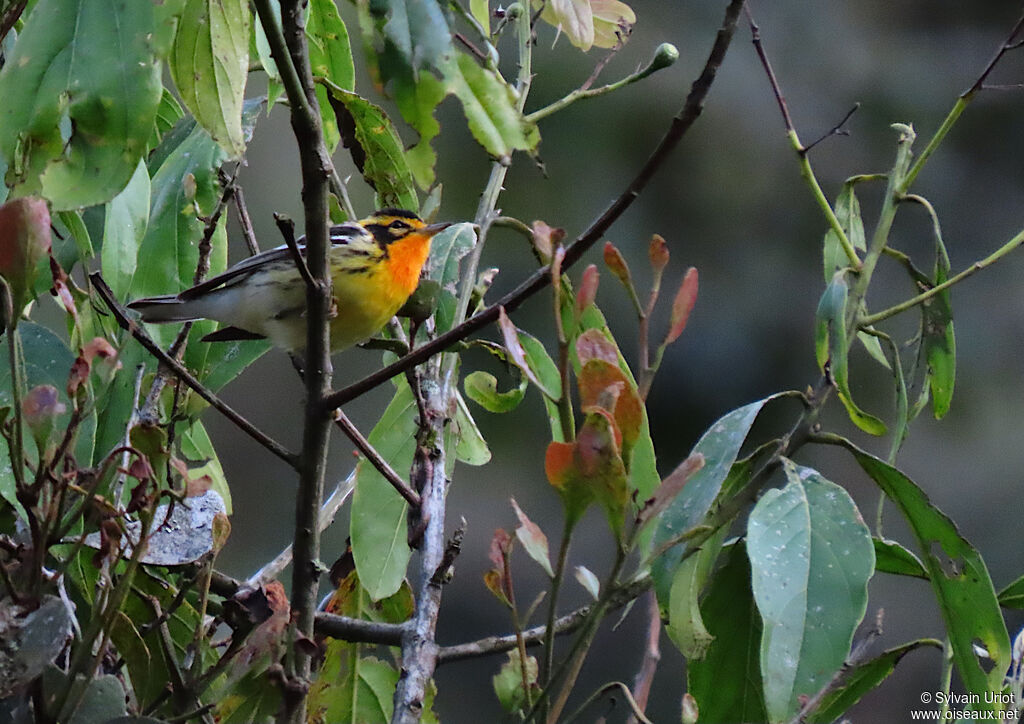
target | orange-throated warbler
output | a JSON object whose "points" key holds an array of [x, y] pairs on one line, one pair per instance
{"points": [[375, 266]]}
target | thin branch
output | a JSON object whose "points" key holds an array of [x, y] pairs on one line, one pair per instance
{"points": [[245, 222], [682, 122], [806, 172], [328, 511], [836, 130], [121, 317], [287, 228], [375, 459], [535, 636], [652, 656]]}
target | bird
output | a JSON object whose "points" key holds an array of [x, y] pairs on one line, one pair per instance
{"points": [[375, 266]]}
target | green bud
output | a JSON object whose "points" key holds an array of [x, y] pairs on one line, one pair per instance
{"points": [[664, 56]]}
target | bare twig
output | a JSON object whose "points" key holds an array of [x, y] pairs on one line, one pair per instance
{"points": [[652, 656], [375, 459], [287, 228], [836, 130], [184, 375], [682, 122], [245, 222]]}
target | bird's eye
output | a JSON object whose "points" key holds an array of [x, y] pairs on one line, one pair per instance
{"points": [[399, 225]]}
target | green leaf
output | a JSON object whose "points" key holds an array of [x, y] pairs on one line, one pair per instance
{"points": [[47, 361], [197, 447], [446, 251], [417, 29], [123, 230], [727, 681], [490, 108], [168, 113], [959, 578], [535, 543], [1013, 595], [862, 679], [832, 349], [210, 63], [104, 699], [685, 625], [81, 92], [482, 388], [330, 57], [874, 348], [79, 233], [481, 13], [378, 525], [811, 557], [891, 557], [376, 149], [847, 209], [417, 98], [508, 682], [720, 446], [471, 447], [528, 354], [274, 86]]}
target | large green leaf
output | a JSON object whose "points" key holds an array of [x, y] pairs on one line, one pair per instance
{"points": [[891, 557], [376, 148], [446, 251], [727, 682], [81, 92], [123, 231], [959, 578], [811, 557], [378, 525], [720, 446], [210, 63], [418, 29]]}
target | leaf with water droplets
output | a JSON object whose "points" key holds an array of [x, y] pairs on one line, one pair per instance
{"points": [[811, 557]]}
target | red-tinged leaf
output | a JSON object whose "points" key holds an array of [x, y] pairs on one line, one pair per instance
{"points": [[62, 288], [545, 239], [657, 251], [98, 347], [600, 463], [670, 487], [556, 269], [535, 543], [532, 360], [560, 467], [24, 241], [587, 292], [593, 344], [495, 582], [682, 305], [617, 264], [267, 638], [601, 381], [198, 486], [501, 546]]}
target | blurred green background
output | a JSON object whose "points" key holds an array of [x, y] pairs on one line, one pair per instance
{"points": [[731, 203]]}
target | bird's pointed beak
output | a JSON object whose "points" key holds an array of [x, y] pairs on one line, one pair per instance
{"points": [[432, 229]]}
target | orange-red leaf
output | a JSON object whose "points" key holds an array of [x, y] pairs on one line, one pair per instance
{"points": [[545, 239], [601, 381], [24, 241], [617, 265], [682, 305], [535, 543]]}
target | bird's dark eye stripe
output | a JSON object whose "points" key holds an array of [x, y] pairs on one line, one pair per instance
{"points": [[341, 234]]}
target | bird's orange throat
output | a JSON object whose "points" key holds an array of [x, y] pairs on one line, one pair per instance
{"points": [[405, 260]]}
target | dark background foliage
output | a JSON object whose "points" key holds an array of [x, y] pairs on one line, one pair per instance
{"points": [[731, 203]]}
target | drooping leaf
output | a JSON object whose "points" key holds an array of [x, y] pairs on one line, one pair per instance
{"points": [[847, 210], [80, 98], [811, 557], [959, 578], [123, 231], [210, 63], [529, 355], [417, 99], [597, 378], [685, 625], [727, 682], [588, 580], [613, 22], [418, 29], [378, 525], [832, 349], [508, 682], [719, 446], [862, 679], [471, 447], [376, 149]]}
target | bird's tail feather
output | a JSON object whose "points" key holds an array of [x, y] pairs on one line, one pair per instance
{"points": [[165, 309]]}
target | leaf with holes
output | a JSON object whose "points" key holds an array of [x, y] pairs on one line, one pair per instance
{"points": [[959, 578]]}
